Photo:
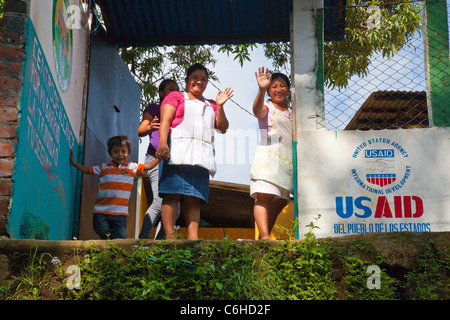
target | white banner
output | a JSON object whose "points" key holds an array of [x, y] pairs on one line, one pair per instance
{"points": [[374, 181]]}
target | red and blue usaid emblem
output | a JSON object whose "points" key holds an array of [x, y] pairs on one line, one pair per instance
{"points": [[381, 165], [381, 179]]}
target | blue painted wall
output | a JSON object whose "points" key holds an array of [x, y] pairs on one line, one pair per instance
{"points": [[45, 185]]}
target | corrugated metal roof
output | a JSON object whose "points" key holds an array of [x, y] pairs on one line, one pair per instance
{"points": [[183, 22], [391, 110]]}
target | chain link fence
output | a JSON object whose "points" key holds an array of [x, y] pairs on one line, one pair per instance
{"points": [[383, 81]]}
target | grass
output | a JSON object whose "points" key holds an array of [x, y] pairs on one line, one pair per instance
{"points": [[230, 270]]}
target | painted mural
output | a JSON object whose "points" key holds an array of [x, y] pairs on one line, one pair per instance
{"points": [[62, 44], [45, 185]]}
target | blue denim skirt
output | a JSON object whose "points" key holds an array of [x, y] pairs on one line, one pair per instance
{"points": [[183, 179]]}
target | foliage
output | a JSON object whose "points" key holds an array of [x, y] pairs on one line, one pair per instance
{"points": [[240, 51], [225, 271], [210, 271], [30, 283], [151, 65], [352, 56], [280, 55], [363, 38], [232, 270], [429, 279], [355, 280], [304, 268]]}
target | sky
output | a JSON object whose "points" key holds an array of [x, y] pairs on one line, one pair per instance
{"points": [[234, 149]]}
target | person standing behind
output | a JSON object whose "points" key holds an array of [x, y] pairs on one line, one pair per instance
{"points": [[116, 181], [186, 144], [272, 170], [150, 126]]}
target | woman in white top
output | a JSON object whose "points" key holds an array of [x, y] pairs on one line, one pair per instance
{"points": [[186, 144], [271, 173]]}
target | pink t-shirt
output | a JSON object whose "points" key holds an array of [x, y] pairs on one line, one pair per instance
{"points": [[176, 100], [265, 124]]}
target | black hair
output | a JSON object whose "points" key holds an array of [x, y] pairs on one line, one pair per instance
{"points": [[278, 75], [195, 67], [119, 141], [164, 84]]}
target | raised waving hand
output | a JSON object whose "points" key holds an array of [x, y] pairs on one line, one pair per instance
{"points": [[263, 78]]}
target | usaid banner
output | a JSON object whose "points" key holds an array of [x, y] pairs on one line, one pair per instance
{"points": [[374, 181]]}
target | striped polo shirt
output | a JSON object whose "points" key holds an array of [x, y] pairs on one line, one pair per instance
{"points": [[114, 187]]}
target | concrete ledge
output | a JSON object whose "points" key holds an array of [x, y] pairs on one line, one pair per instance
{"points": [[388, 244]]}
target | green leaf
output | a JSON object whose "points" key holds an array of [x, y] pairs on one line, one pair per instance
{"points": [[219, 285]]}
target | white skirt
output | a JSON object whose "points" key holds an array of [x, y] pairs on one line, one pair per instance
{"points": [[261, 186]]}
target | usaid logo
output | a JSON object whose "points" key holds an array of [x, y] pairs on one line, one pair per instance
{"points": [[381, 166], [379, 153]]}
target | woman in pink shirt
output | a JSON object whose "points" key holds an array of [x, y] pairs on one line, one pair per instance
{"points": [[186, 144]]}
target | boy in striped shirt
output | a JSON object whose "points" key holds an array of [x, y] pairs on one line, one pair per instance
{"points": [[116, 181]]}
